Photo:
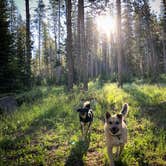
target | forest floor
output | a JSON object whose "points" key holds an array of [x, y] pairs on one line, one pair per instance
{"points": [[45, 129]]}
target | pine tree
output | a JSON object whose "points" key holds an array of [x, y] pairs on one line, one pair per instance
{"points": [[54, 18], [119, 49], [84, 62], [39, 21], [69, 45], [45, 41], [163, 33], [28, 45], [21, 54], [128, 58], [6, 49]]}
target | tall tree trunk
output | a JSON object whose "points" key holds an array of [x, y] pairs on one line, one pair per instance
{"points": [[39, 44], [59, 31], [78, 54], [104, 55], [119, 47], [83, 45], [141, 59], [28, 44], [69, 49], [164, 50], [151, 46], [164, 34]]}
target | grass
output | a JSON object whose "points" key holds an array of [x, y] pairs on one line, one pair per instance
{"points": [[45, 129]]}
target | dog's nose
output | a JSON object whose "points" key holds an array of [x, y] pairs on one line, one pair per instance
{"points": [[114, 130]]}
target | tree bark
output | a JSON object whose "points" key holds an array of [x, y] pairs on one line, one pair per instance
{"points": [[59, 32], [79, 58], [119, 47], [28, 44], [164, 34], [69, 47], [84, 64], [39, 44]]}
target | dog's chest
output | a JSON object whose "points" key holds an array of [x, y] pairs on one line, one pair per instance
{"points": [[116, 140]]}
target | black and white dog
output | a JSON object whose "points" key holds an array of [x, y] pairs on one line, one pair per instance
{"points": [[86, 117]]}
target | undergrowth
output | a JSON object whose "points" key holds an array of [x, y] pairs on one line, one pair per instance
{"points": [[45, 129]]}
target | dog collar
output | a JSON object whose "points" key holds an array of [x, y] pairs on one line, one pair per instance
{"points": [[118, 136]]}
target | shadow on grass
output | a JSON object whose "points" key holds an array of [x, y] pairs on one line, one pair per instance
{"points": [[156, 112], [26, 142], [120, 163], [37, 94], [45, 121], [75, 157], [42, 123]]}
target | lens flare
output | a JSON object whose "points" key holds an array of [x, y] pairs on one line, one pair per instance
{"points": [[106, 25]]}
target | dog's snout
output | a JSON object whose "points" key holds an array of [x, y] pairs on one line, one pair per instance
{"points": [[114, 130]]}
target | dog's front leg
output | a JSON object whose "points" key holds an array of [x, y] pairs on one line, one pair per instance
{"points": [[121, 149], [117, 154], [83, 130], [89, 128], [110, 155]]}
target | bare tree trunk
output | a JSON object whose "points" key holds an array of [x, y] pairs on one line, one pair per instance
{"points": [[83, 44], [70, 61], [55, 36], [153, 55], [104, 55], [28, 44], [119, 47], [79, 58], [164, 51], [39, 45], [59, 30], [164, 34]]}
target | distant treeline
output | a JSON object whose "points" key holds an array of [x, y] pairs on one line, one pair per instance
{"points": [[59, 43]]}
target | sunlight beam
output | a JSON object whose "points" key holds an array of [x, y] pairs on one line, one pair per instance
{"points": [[106, 25]]}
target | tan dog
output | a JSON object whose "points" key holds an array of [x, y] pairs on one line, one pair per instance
{"points": [[115, 132]]}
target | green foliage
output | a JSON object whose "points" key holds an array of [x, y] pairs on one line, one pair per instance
{"points": [[6, 49], [45, 129], [31, 96], [13, 61]]}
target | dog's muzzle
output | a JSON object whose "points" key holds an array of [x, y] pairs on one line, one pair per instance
{"points": [[114, 130]]}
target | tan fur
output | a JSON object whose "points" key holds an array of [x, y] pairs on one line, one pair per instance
{"points": [[119, 139], [86, 103]]}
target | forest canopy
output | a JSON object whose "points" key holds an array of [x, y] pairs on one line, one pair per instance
{"points": [[74, 41]]}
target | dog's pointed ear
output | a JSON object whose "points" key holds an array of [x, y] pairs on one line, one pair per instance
{"points": [[119, 116], [107, 115], [124, 109]]}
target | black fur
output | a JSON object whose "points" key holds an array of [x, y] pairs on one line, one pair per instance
{"points": [[88, 113], [85, 116]]}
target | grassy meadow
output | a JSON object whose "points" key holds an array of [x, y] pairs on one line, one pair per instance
{"points": [[45, 129]]}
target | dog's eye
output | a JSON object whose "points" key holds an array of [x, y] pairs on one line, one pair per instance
{"points": [[110, 122], [117, 122]]}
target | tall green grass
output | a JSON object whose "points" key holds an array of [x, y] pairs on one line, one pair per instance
{"points": [[45, 129]]}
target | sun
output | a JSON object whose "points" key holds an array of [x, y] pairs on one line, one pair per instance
{"points": [[106, 24]]}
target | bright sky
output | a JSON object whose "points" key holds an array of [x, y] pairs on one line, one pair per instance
{"points": [[32, 4], [21, 6], [155, 5]]}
